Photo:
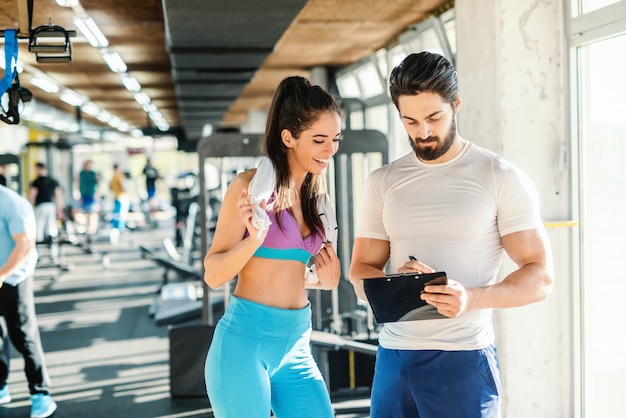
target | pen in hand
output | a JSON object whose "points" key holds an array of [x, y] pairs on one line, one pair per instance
{"points": [[423, 268], [415, 259]]}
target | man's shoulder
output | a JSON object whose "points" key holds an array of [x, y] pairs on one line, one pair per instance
{"points": [[151, 171], [479, 151], [51, 181], [11, 199], [495, 160]]}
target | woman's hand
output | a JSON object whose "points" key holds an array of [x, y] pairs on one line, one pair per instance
{"points": [[328, 268], [246, 212]]}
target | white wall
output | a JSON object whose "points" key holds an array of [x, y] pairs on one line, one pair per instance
{"points": [[512, 65]]}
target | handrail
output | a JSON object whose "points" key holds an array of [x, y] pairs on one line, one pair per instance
{"points": [[561, 224]]}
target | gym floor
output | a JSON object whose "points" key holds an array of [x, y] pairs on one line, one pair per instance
{"points": [[105, 355]]}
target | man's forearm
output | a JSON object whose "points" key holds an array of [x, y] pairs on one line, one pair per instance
{"points": [[359, 271], [528, 284], [18, 256]]}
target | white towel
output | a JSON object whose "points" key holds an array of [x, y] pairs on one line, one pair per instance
{"points": [[262, 186]]}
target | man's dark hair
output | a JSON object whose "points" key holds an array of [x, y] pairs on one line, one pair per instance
{"points": [[424, 72], [40, 165]]}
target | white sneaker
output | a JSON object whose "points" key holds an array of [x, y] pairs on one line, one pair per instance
{"points": [[5, 395], [42, 406]]}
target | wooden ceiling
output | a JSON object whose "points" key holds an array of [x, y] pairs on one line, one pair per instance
{"points": [[324, 33]]}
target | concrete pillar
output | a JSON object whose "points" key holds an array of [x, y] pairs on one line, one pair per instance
{"points": [[512, 64]]}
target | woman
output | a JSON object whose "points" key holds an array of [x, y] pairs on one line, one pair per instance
{"points": [[260, 360]]}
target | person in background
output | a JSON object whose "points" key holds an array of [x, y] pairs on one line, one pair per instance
{"points": [[88, 186], [152, 175], [260, 359], [3, 175], [120, 203], [18, 322], [47, 198], [451, 206]]}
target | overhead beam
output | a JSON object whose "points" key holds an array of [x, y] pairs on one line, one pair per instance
{"points": [[221, 50], [24, 12]]}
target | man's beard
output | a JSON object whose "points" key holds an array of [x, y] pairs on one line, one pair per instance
{"points": [[432, 153]]}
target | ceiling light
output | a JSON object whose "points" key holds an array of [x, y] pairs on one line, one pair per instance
{"points": [[90, 109], [114, 122], [60, 125], [142, 98], [67, 3], [114, 61], [91, 31], [104, 116], [45, 84], [72, 98], [131, 83], [159, 120], [43, 118], [163, 126]]}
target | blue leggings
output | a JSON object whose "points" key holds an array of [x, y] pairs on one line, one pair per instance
{"points": [[260, 361], [436, 384]]}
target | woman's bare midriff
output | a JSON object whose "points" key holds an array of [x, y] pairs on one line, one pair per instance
{"points": [[276, 283]]}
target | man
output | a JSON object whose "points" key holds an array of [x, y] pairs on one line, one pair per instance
{"points": [[46, 197], [447, 206], [152, 175], [18, 322], [88, 186]]}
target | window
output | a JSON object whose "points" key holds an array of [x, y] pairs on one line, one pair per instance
{"points": [[587, 6]]}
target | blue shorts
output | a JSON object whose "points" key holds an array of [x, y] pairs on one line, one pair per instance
{"points": [[88, 204], [436, 384], [260, 360], [151, 192]]}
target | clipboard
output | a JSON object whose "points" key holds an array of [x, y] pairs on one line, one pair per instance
{"points": [[396, 297]]}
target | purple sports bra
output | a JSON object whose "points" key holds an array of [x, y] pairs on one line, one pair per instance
{"points": [[287, 243]]}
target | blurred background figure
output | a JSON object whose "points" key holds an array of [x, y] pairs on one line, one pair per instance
{"points": [[47, 199], [18, 322], [152, 175], [88, 186], [3, 175], [120, 203]]}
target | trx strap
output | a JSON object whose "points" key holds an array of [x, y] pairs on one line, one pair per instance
{"points": [[10, 60]]}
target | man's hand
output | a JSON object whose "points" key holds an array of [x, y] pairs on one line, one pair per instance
{"points": [[451, 299]]}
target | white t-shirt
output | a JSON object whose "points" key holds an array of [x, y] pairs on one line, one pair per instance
{"points": [[450, 216]]}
